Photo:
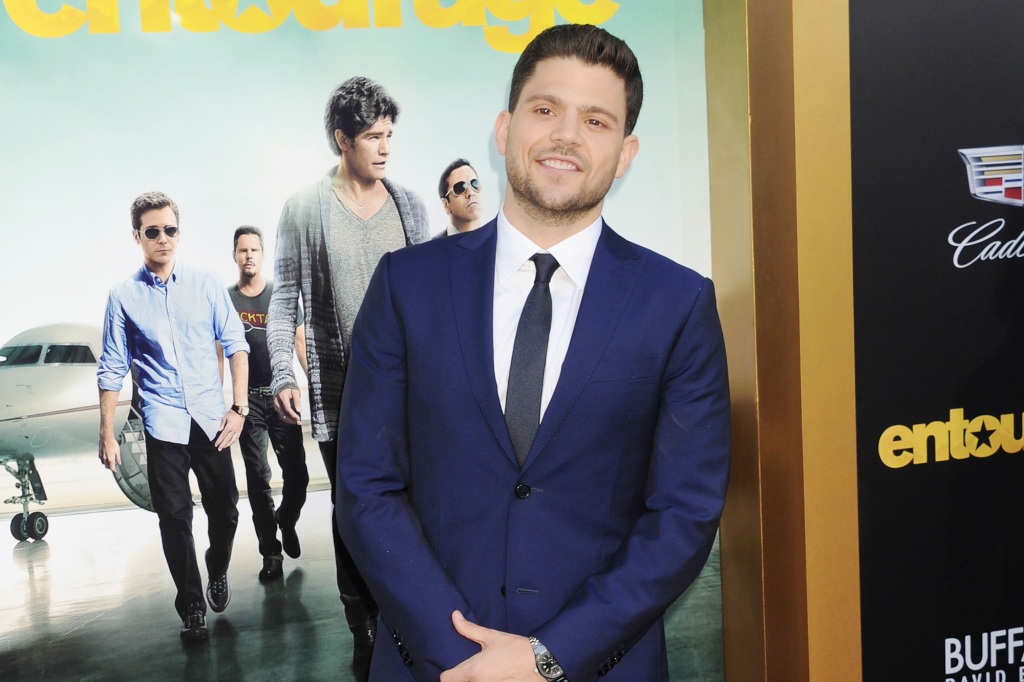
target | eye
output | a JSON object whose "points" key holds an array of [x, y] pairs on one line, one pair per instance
{"points": [[543, 111], [596, 123]]}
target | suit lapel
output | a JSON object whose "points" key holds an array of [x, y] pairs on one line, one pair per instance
{"points": [[471, 260], [613, 276]]}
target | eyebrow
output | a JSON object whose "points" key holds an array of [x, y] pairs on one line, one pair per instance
{"points": [[559, 102]]}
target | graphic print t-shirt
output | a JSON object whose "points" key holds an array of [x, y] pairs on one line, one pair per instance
{"points": [[252, 310]]}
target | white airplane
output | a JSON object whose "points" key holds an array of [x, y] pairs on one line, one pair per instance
{"points": [[49, 408], [49, 413]]}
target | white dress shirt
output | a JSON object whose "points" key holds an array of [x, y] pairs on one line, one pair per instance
{"points": [[514, 273]]}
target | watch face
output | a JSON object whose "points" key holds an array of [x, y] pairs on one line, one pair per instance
{"points": [[243, 410], [549, 667]]}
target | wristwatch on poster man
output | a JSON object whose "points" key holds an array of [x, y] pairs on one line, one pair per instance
{"points": [[240, 410]]}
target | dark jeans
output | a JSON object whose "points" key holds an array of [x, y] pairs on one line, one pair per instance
{"points": [[360, 606], [286, 439], [168, 466]]}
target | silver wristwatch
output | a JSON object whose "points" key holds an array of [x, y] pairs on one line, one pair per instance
{"points": [[547, 666]]}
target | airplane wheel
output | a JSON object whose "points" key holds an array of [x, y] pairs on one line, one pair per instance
{"points": [[38, 524], [19, 528]]}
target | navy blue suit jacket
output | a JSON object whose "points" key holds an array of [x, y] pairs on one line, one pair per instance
{"points": [[616, 507]]}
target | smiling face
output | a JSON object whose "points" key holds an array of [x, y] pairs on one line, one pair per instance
{"points": [[366, 156], [466, 208], [564, 144], [158, 253]]}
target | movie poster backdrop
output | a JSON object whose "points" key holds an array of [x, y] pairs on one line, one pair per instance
{"points": [[220, 104], [938, 228]]}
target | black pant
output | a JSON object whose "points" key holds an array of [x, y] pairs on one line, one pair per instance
{"points": [[360, 606], [286, 439], [168, 466]]}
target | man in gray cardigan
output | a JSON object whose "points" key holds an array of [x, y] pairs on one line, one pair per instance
{"points": [[329, 240]]}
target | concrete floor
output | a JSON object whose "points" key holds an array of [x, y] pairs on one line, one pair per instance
{"points": [[93, 601]]}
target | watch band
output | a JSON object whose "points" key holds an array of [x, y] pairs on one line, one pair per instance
{"points": [[547, 666]]}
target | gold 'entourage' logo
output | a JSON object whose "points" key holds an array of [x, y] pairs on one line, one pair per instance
{"points": [[958, 438], [103, 16]]}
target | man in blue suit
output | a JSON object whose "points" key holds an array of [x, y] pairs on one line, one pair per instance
{"points": [[534, 433]]}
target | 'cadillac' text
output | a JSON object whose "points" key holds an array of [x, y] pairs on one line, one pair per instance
{"points": [[973, 243]]}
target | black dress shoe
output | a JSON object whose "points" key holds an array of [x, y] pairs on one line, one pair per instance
{"points": [[271, 568], [363, 637], [218, 594], [193, 626], [289, 538]]}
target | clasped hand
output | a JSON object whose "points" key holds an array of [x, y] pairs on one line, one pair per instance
{"points": [[503, 657]]}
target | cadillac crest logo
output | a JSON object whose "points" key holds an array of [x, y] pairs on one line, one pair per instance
{"points": [[996, 173]]}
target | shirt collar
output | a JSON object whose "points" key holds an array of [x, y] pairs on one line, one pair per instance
{"points": [[574, 254], [149, 278]]}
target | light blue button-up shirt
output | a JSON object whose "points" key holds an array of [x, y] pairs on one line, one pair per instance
{"points": [[168, 331]]}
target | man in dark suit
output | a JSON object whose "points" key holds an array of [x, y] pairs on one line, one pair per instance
{"points": [[534, 433]]}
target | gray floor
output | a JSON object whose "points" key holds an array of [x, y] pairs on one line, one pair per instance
{"points": [[92, 601]]}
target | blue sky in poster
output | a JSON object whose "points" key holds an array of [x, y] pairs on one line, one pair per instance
{"points": [[230, 124]]}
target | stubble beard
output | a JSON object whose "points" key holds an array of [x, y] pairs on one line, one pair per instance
{"points": [[551, 210]]}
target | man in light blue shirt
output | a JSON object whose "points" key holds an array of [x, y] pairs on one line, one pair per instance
{"points": [[165, 321]]}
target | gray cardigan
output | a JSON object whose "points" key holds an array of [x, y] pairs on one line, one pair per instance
{"points": [[301, 267]]}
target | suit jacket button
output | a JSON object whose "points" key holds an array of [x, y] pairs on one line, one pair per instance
{"points": [[522, 491], [502, 590]]}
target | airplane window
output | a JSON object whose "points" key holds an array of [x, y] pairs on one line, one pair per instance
{"points": [[20, 355], [73, 355]]}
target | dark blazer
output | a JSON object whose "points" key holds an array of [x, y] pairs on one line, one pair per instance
{"points": [[615, 509]]}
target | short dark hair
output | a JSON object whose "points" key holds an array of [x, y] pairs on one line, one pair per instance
{"points": [[354, 106], [247, 229], [591, 45], [442, 187], [151, 201]]}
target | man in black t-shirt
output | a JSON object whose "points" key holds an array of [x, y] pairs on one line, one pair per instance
{"points": [[251, 298]]}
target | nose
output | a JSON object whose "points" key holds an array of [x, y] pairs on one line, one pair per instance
{"points": [[385, 146], [566, 131]]}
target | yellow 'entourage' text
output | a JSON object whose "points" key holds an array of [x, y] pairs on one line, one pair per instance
{"points": [[103, 16], [958, 438]]}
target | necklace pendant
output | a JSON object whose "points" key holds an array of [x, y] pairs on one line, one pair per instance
{"points": [[342, 192]]}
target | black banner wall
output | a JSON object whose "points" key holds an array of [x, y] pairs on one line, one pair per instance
{"points": [[937, 114]]}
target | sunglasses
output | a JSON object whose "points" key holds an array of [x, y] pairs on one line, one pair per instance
{"points": [[459, 188], [154, 232]]}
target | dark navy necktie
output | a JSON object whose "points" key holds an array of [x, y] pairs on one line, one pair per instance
{"points": [[529, 354]]}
